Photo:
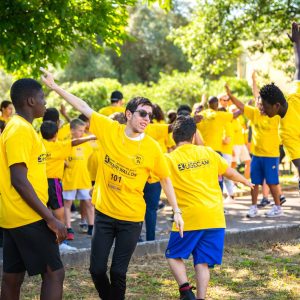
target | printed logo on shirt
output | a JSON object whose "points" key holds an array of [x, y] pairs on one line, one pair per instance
{"points": [[127, 172], [138, 159], [193, 164], [42, 157]]}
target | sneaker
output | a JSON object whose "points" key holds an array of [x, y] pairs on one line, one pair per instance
{"points": [[64, 248], [83, 226], [70, 234], [253, 212], [161, 205], [229, 199], [264, 202], [282, 199], [186, 293], [275, 211]]}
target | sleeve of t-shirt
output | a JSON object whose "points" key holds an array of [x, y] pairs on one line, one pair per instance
{"points": [[18, 147], [225, 116], [160, 168], [100, 125], [158, 131], [221, 162], [249, 112], [65, 148]]}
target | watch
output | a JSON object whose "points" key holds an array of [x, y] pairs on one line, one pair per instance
{"points": [[177, 211]]}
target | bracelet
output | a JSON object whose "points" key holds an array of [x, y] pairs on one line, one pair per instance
{"points": [[177, 211]]}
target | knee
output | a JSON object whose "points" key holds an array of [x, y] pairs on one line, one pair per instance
{"points": [[98, 273], [117, 275], [13, 281], [57, 276]]}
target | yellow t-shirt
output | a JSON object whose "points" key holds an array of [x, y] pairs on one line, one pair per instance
{"points": [[124, 168], [238, 125], [64, 132], [57, 153], [108, 110], [289, 128], [159, 132], [76, 174], [93, 161], [228, 132], [194, 173], [265, 137], [19, 143]]}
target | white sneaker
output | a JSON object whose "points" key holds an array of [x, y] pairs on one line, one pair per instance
{"points": [[253, 211], [275, 211], [64, 248]]}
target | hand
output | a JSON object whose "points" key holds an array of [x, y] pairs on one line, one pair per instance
{"points": [[58, 228], [48, 78], [63, 110], [228, 91], [198, 118], [249, 184], [295, 36], [179, 223], [253, 75]]}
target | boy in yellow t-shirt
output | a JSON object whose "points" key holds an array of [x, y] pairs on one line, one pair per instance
{"points": [[116, 105], [274, 103], [76, 180], [194, 173], [7, 110], [31, 232], [127, 158]]}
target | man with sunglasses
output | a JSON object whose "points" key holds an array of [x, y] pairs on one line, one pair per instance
{"points": [[127, 157]]}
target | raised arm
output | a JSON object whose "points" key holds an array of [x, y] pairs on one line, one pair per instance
{"points": [[295, 38], [255, 90], [76, 102], [240, 105]]}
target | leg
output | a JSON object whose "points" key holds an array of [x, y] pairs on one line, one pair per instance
{"points": [[178, 269], [275, 193], [11, 285], [247, 169], [151, 195], [126, 239], [265, 190], [101, 244], [296, 163], [202, 279], [254, 194], [68, 204], [52, 284], [90, 211]]}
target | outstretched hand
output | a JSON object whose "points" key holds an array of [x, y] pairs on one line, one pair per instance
{"points": [[48, 78], [228, 91], [295, 35], [249, 184]]}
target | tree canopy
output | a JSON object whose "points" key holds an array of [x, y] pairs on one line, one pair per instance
{"points": [[217, 29]]}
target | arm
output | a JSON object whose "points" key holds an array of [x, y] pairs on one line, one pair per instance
{"points": [[235, 176], [240, 105], [76, 102], [82, 140], [167, 187], [197, 139], [19, 180], [64, 113], [255, 90], [295, 38]]}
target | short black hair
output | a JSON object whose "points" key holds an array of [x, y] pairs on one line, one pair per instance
{"points": [[49, 129], [2, 125], [75, 123], [116, 96], [136, 101], [213, 99], [184, 129], [83, 118], [51, 114], [158, 114], [22, 89], [5, 104], [184, 107], [272, 94]]}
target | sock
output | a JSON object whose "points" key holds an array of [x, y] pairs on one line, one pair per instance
{"points": [[184, 287], [90, 229]]}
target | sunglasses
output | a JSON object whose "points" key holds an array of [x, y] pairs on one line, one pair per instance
{"points": [[143, 113]]}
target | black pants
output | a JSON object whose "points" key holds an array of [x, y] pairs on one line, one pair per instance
{"points": [[126, 235]]}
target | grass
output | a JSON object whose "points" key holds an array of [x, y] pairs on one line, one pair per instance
{"points": [[258, 271]]}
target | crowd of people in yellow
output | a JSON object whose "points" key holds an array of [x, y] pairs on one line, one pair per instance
{"points": [[117, 161]]}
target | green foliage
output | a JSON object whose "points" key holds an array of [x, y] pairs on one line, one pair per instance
{"points": [[213, 39], [35, 33]]}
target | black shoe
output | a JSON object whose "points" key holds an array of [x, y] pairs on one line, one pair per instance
{"points": [[161, 205], [282, 199], [264, 202], [187, 294]]}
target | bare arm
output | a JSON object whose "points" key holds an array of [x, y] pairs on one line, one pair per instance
{"points": [[295, 38], [236, 176], [255, 90], [19, 180], [64, 113], [197, 139], [82, 140], [240, 105], [167, 187], [76, 102]]}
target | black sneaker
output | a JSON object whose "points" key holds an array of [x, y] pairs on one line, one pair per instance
{"points": [[187, 293], [264, 202], [282, 199], [161, 205]]}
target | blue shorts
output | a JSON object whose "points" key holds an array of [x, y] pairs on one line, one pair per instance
{"points": [[205, 245], [264, 168]]}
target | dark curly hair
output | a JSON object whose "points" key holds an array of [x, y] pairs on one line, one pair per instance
{"points": [[272, 94]]}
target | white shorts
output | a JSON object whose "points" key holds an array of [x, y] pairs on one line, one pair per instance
{"points": [[240, 154], [83, 194]]}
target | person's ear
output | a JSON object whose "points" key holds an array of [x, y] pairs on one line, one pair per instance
{"points": [[30, 101], [128, 114]]}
